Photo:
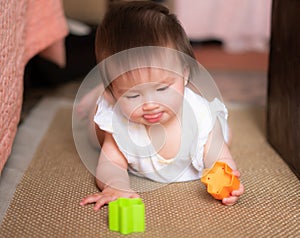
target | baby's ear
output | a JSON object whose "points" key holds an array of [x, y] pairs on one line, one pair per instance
{"points": [[186, 82], [186, 75]]}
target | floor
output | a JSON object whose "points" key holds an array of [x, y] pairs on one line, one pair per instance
{"points": [[240, 77]]}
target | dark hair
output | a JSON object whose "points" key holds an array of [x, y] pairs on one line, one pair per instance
{"points": [[129, 24]]}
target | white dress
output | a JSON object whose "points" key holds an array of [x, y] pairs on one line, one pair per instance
{"points": [[198, 119]]}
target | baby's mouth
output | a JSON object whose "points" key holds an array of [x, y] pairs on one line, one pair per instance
{"points": [[153, 118]]}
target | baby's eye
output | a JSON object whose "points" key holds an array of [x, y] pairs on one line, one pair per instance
{"points": [[132, 96], [163, 88]]}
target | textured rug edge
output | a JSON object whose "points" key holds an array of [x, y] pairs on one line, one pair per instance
{"points": [[28, 137]]}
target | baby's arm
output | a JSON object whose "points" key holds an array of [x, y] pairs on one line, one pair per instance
{"points": [[111, 176], [224, 155]]}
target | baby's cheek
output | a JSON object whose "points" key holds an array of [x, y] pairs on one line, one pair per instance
{"points": [[127, 108], [173, 103], [133, 114], [137, 115]]}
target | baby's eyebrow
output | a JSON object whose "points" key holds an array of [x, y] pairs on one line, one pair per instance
{"points": [[167, 80], [163, 81], [121, 91]]}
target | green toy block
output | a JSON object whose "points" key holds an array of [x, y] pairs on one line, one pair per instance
{"points": [[126, 215]]}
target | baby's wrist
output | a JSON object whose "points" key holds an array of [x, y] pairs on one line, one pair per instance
{"points": [[118, 184]]}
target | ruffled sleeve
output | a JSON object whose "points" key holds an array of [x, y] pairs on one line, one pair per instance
{"points": [[217, 111], [220, 112], [207, 114], [104, 115]]}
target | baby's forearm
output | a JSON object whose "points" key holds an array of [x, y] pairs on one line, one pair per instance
{"points": [[120, 183], [111, 175], [223, 155], [230, 162], [100, 185]]}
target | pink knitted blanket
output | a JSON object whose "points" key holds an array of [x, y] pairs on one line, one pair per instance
{"points": [[26, 28]]}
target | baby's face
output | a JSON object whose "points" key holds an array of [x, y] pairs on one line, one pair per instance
{"points": [[149, 95]]}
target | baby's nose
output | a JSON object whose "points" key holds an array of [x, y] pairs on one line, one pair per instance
{"points": [[150, 105]]}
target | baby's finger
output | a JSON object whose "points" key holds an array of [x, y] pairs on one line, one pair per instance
{"points": [[238, 192], [236, 173], [134, 195], [230, 200], [103, 200], [90, 199]]}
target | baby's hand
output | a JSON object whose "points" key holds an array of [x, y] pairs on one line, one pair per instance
{"points": [[106, 196], [234, 194]]}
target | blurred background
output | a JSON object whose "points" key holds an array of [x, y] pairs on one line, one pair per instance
{"points": [[230, 39]]}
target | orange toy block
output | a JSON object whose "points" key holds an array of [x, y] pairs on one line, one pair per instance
{"points": [[220, 181]]}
